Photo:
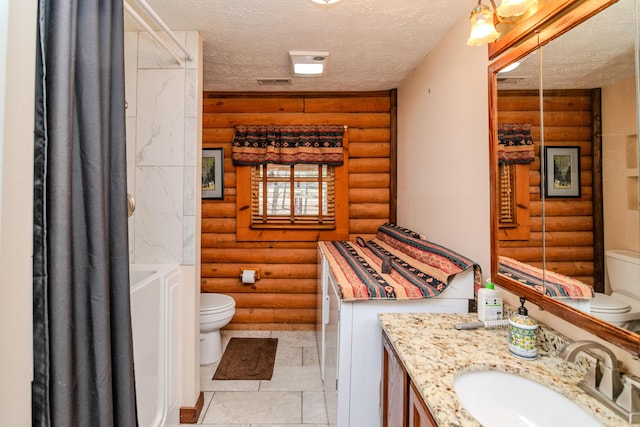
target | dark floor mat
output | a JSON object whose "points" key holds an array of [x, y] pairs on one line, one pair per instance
{"points": [[247, 359]]}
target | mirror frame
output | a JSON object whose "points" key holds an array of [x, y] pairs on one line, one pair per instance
{"points": [[530, 23], [530, 37]]}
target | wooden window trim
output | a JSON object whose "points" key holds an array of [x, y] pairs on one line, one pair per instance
{"points": [[244, 232], [320, 221], [522, 229]]}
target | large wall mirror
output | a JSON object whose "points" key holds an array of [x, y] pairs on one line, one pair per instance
{"points": [[564, 168]]}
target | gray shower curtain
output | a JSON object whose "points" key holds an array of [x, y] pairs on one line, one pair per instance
{"points": [[83, 352]]}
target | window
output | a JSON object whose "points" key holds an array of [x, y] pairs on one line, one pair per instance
{"points": [[513, 199], [331, 206], [299, 196], [515, 152], [292, 182]]}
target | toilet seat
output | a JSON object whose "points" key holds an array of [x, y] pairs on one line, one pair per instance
{"points": [[215, 303], [607, 304]]}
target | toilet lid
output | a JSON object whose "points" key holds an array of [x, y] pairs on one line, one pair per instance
{"points": [[211, 303], [602, 303]]}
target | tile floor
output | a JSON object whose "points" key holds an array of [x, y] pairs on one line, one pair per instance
{"points": [[292, 398]]}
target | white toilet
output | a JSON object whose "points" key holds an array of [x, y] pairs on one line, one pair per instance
{"points": [[622, 307], [216, 311]]}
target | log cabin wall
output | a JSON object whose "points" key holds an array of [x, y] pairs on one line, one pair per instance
{"points": [[569, 120], [285, 296]]}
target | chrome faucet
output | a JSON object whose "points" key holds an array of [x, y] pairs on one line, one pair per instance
{"points": [[610, 382], [607, 384]]}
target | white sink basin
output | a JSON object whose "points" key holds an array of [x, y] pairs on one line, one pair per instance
{"points": [[499, 399]]}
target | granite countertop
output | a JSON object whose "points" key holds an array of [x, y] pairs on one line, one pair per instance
{"points": [[433, 353]]}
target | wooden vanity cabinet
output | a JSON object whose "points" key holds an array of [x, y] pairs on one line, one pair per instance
{"points": [[402, 405], [395, 387], [419, 414]]}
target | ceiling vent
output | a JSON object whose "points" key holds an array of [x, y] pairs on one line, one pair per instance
{"points": [[274, 82]]}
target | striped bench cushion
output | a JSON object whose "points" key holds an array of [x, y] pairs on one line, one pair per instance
{"points": [[421, 269], [548, 282]]}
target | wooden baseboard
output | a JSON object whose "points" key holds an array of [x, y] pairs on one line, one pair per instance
{"points": [[190, 415]]}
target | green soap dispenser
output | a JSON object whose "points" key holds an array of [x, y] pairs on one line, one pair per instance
{"points": [[523, 334]]}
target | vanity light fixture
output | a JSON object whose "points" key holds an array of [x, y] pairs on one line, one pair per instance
{"points": [[308, 63], [483, 29], [483, 19], [509, 8]]}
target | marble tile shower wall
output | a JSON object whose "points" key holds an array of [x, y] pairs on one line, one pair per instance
{"points": [[162, 148]]}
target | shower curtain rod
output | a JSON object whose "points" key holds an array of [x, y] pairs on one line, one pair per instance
{"points": [[152, 13], [152, 33]]}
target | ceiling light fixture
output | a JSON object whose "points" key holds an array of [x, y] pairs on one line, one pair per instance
{"points": [[325, 1], [510, 67], [308, 63], [483, 19]]}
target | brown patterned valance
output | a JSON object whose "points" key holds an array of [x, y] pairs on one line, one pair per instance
{"points": [[515, 143], [293, 144]]}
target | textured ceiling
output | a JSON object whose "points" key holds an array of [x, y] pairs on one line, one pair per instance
{"points": [[372, 44], [375, 44]]}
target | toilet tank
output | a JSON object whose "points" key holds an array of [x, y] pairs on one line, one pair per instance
{"points": [[623, 270]]}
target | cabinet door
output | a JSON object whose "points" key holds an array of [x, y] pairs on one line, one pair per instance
{"points": [[419, 415], [394, 387]]}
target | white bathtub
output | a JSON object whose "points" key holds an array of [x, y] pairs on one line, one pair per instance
{"points": [[154, 318]]}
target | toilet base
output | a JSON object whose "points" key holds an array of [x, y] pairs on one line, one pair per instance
{"points": [[210, 347]]}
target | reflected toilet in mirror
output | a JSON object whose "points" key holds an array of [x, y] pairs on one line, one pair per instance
{"points": [[622, 306]]}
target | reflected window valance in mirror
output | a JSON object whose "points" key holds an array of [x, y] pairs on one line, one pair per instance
{"points": [[515, 143]]}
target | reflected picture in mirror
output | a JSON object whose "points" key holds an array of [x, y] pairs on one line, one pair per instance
{"points": [[562, 172], [576, 94]]}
